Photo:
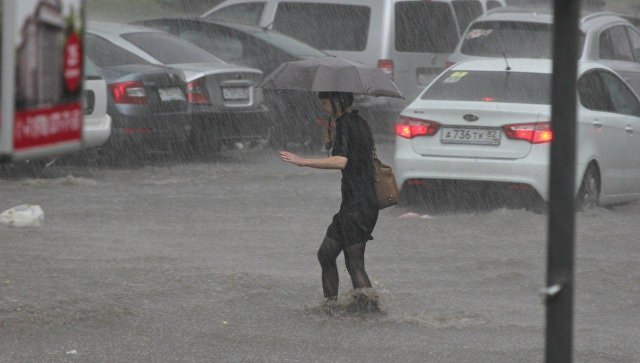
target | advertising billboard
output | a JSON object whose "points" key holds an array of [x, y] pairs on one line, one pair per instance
{"points": [[42, 72]]}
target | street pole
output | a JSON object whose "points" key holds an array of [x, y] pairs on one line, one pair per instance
{"points": [[562, 177]]}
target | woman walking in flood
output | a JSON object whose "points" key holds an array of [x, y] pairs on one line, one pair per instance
{"points": [[351, 228]]}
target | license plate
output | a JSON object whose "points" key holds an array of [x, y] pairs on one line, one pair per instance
{"points": [[465, 135], [171, 94], [235, 93]]}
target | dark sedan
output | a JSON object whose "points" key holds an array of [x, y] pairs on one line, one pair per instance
{"points": [[296, 116], [225, 105], [147, 103]]}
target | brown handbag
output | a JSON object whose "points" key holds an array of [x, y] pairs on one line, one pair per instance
{"points": [[385, 183]]}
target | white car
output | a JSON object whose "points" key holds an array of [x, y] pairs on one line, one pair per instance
{"points": [[97, 123], [604, 38], [481, 124]]}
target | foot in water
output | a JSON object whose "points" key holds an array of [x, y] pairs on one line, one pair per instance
{"points": [[353, 303], [364, 301], [329, 306]]}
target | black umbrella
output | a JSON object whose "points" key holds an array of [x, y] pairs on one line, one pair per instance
{"points": [[331, 74]]}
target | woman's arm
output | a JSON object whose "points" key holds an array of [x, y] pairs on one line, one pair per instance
{"points": [[332, 162]]}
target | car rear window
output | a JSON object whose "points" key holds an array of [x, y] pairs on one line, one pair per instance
{"points": [[169, 49], [466, 12], [491, 86], [106, 54], [515, 39], [219, 43], [325, 26], [425, 27]]}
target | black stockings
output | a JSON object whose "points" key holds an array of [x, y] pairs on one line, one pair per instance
{"points": [[354, 259]]}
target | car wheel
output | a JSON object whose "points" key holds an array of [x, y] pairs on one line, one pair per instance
{"points": [[589, 192]]}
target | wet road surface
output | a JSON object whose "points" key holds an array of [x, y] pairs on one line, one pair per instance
{"points": [[214, 259]]}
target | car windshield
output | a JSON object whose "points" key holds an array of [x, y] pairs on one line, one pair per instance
{"points": [[491, 86], [290, 45], [169, 49], [510, 38]]}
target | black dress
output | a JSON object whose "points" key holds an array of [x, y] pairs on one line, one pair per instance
{"points": [[358, 213]]}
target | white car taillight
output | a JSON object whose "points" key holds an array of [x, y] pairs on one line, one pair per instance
{"points": [[409, 127], [535, 132]]}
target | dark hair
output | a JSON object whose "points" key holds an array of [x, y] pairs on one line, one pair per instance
{"points": [[344, 99], [324, 95]]}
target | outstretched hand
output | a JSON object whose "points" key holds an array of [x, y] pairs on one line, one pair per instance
{"points": [[291, 158]]}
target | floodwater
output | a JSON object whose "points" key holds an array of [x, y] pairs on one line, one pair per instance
{"points": [[214, 259]]}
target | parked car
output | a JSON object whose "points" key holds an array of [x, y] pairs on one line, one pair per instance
{"points": [[147, 102], [245, 45], [293, 114], [522, 33], [480, 125], [409, 39], [224, 103], [97, 123]]}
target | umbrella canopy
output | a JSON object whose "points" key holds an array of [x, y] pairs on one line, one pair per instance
{"points": [[331, 74]]}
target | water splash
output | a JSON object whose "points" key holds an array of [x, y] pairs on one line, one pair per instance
{"points": [[357, 303]]}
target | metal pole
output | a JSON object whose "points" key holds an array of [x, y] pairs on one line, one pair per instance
{"points": [[562, 177], [8, 85]]}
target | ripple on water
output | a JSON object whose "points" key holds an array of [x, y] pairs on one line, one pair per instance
{"points": [[68, 180], [440, 320]]}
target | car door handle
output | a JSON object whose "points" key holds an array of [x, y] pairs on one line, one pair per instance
{"points": [[629, 129], [597, 124]]}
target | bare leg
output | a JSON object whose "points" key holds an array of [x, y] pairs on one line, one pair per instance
{"points": [[354, 259], [327, 255]]}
